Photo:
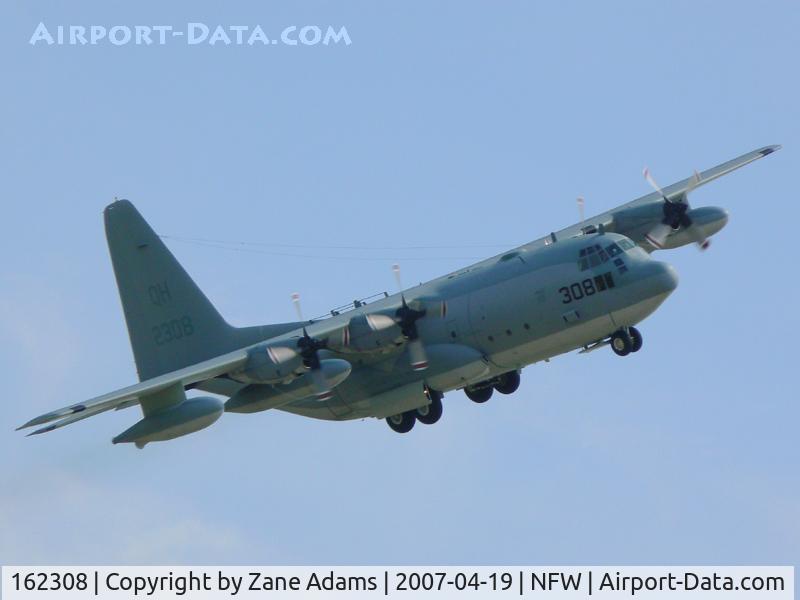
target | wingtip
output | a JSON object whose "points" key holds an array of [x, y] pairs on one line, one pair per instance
{"points": [[770, 149], [36, 421]]}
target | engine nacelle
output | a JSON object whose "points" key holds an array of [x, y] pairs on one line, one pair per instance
{"points": [[269, 364], [710, 219], [187, 417], [372, 332], [258, 397]]}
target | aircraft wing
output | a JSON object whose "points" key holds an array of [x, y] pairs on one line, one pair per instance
{"points": [[677, 189], [134, 394], [673, 192]]}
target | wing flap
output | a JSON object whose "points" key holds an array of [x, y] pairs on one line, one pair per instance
{"points": [[133, 394]]}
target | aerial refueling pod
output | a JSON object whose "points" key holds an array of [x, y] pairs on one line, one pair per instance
{"points": [[257, 397], [187, 417]]}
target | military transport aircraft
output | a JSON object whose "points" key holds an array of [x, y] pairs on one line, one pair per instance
{"points": [[393, 358]]}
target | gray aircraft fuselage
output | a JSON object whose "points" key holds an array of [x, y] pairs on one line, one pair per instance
{"points": [[527, 305]]}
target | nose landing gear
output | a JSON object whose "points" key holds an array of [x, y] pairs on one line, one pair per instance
{"points": [[625, 341]]}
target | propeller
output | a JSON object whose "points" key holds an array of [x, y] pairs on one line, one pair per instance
{"points": [[581, 207], [309, 348], [407, 318], [675, 215]]}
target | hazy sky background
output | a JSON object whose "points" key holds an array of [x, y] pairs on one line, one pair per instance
{"points": [[443, 124]]}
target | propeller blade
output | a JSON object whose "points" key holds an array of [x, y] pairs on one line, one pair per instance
{"points": [[676, 215], [396, 271], [417, 354], [296, 302], [658, 235], [581, 205], [653, 184], [320, 384], [407, 317], [694, 181]]}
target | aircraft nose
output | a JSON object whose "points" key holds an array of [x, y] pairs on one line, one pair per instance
{"points": [[661, 277]]}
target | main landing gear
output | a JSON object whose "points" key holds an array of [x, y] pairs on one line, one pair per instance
{"points": [[507, 383], [625, 341], [479, 394], [427, 415], [402, 423], [430, 413]]}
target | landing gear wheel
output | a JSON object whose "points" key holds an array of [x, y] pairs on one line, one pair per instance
{"points": [[479, 395], [507, 383], [636, 339], [432, 412], [402, 423], [621, 343]]}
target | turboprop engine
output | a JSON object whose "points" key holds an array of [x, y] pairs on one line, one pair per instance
{"points": [[258, 397], [187, 417], [270, 364], [708, 219], [372, 332]]}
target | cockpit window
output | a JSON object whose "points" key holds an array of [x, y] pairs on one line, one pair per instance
{"points": [[626, 244], [594, 255]]}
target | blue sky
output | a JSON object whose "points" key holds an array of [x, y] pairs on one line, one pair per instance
{"points": [[442, 124]]}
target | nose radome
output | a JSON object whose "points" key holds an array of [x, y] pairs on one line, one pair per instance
{"points": [[665, 277]]}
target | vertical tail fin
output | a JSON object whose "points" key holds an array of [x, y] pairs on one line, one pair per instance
{"points": [[170, 321]]}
